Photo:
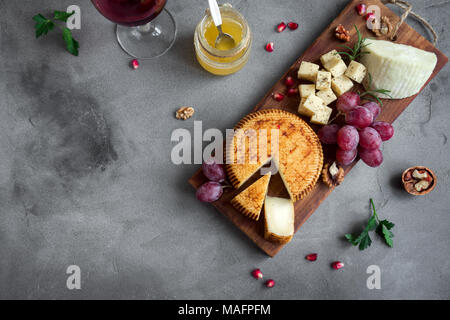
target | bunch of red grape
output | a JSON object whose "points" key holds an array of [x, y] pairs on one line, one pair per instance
{"points": [[211, 190], [361, 135]]}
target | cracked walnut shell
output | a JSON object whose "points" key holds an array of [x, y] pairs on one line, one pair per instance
{"points": [[385, 27], [418, 180], [332, 175], [184, 113]]}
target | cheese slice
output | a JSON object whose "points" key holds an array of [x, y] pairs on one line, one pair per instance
{"points": [[251, 200], [399, 68], [279, 219]]}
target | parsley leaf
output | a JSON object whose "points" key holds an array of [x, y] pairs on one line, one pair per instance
{"points": [[62, 15], [43, 25], [383, 228], [71, 44]]}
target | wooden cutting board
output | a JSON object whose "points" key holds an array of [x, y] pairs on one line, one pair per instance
{"points": [[390, 111]]}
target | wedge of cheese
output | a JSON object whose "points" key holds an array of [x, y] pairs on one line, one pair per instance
{"points": [[399, 68], [251, 200], [279, 219]]}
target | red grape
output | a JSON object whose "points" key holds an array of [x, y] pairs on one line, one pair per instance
{"points": [[347, 138], [373, 158], [385, 130], [369, 139], [209, 192], [213, 171], [348, 101], [359, 117], [344, 157], [374, 108], [328, 134]]}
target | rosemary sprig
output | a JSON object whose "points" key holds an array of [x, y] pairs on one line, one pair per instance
{"points": [[372, 93], [355, 52]]}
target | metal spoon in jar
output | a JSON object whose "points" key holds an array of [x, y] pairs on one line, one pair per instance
{"points": [[224, 40]]}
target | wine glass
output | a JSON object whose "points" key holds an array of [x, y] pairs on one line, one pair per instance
{"points": [[145, 29]]}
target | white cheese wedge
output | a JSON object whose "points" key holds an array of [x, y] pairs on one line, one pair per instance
{"points": [[399, 68], [279, 219]]}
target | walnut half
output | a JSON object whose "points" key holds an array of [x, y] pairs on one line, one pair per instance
{"points": [[184, 113], [385, 27], [332, 175], [418, 180], [342, 33]]}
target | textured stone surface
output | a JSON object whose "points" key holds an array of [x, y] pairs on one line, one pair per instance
{"points": [[86, 177]]}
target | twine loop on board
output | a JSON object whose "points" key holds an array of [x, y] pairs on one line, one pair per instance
{"points": [[407, 7]]}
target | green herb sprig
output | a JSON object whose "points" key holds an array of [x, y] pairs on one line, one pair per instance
{"points": [[383, 228], [44, 25], [356, 52]]}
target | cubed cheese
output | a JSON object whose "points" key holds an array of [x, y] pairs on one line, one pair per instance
{"points": [[302, 110], [341, 85], [308, 71], [322, 116], [327, 57], [337, 67], [311, 105], [323, 81], [327, 96], [356, 71], [306, 89]]}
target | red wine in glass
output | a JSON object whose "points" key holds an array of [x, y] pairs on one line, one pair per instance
{"points": [[144, 28], [130, 12]]}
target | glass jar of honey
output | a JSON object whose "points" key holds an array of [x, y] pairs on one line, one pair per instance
{"points": [[223, 61]]}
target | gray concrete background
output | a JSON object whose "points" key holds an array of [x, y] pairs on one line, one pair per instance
{"points": [[86, 177]]}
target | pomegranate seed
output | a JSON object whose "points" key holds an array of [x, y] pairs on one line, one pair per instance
{"points": [[289, 81], [257, 274], [135, 64], [292, 92], [281, 27], [270, 283], [293, 25], [269, 46], [278, 96], [370, 16], [361, 9], [311, 257], [337, 265], [278, 126]]}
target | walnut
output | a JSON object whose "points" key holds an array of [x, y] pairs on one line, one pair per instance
{"points": [[184, 113], [332, 175], [385, 27], [418, 180], [342, 33]]}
